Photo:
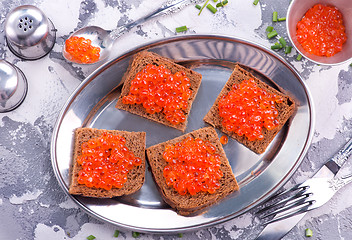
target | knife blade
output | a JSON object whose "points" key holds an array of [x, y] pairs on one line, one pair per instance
{"points": [[278, 229]]}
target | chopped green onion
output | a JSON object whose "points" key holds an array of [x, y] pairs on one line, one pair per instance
{"points": [[281, 19], [212, 8], [116, 233], [288, 49], [215, 0], [90, 237], [276, 46], [200, 11], [221, 4], [282, 41], [198, 7], [181, 29], [274, 16], [299, 57], [135, 234], [272, 34], [255, 2], [269, 29], [180, 235], [351, 64], [309, 232]]}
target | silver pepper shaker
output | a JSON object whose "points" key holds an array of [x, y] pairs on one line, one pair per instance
{"points": [[29, 33]]}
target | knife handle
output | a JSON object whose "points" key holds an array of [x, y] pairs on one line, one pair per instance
{"points": [[336, 162]]}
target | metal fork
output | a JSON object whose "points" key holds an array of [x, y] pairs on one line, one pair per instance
{"points": [[303, 197], [311, 194]]}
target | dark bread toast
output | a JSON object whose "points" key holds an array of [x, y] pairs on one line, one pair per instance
{"points": [[135, 142], [139, 61], [285, 109], [187, 204]]}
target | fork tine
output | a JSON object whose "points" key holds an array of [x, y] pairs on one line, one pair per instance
{"points": [[298, 201], [297, 187], [293, 212], [282, 202]]}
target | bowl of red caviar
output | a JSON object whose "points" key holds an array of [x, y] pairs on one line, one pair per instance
{"points": [[321, 31]]}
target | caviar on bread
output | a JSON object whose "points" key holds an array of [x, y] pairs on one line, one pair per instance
{"points": [[158, 89], [107, 163], [192, 171], [249, 110]]}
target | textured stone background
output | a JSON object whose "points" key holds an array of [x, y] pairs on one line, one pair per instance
{"points": [[32, 204]]}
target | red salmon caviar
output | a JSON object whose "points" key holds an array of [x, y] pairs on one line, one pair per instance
{"points": [[80, 49], [224, 139], [192, 166], [105, 162], [158, 90], [246, 109], [321, 31]]}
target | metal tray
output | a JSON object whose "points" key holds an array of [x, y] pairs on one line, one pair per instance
{"points": [[93, 105]]}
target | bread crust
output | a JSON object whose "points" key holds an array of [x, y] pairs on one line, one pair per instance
{"points": [[187, 204], [285, 109], [135, 142], [139, 61]]}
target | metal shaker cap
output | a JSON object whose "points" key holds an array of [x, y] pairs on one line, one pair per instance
{"points": [[29, 33], [13, 86]]}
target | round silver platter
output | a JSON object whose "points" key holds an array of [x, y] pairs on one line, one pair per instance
{"points": [[93, 105]]}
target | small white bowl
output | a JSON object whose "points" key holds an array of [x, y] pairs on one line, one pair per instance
{"points": [[296, 11]]}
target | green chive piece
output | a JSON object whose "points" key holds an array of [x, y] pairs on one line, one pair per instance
{"points": [[351, 64], [276, 46], [200, 11], [288, 49], [255, 2], [198, 7], [272, 34], [281, 19], [215, 0], [221, 4], [282, 41], [274, 16], [181, 29], [116, 233], [91, 237], [299, 57], [269, 29], [309, 232], [180, 235], [212, 8], [135, 234]]}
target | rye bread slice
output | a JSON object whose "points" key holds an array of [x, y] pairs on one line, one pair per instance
{"points": [[135, 142], [186, 204], [139, 61], [285, 109]]}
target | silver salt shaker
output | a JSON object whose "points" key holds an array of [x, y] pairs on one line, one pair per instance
{"points": [[13, 86], [29, 33]]}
